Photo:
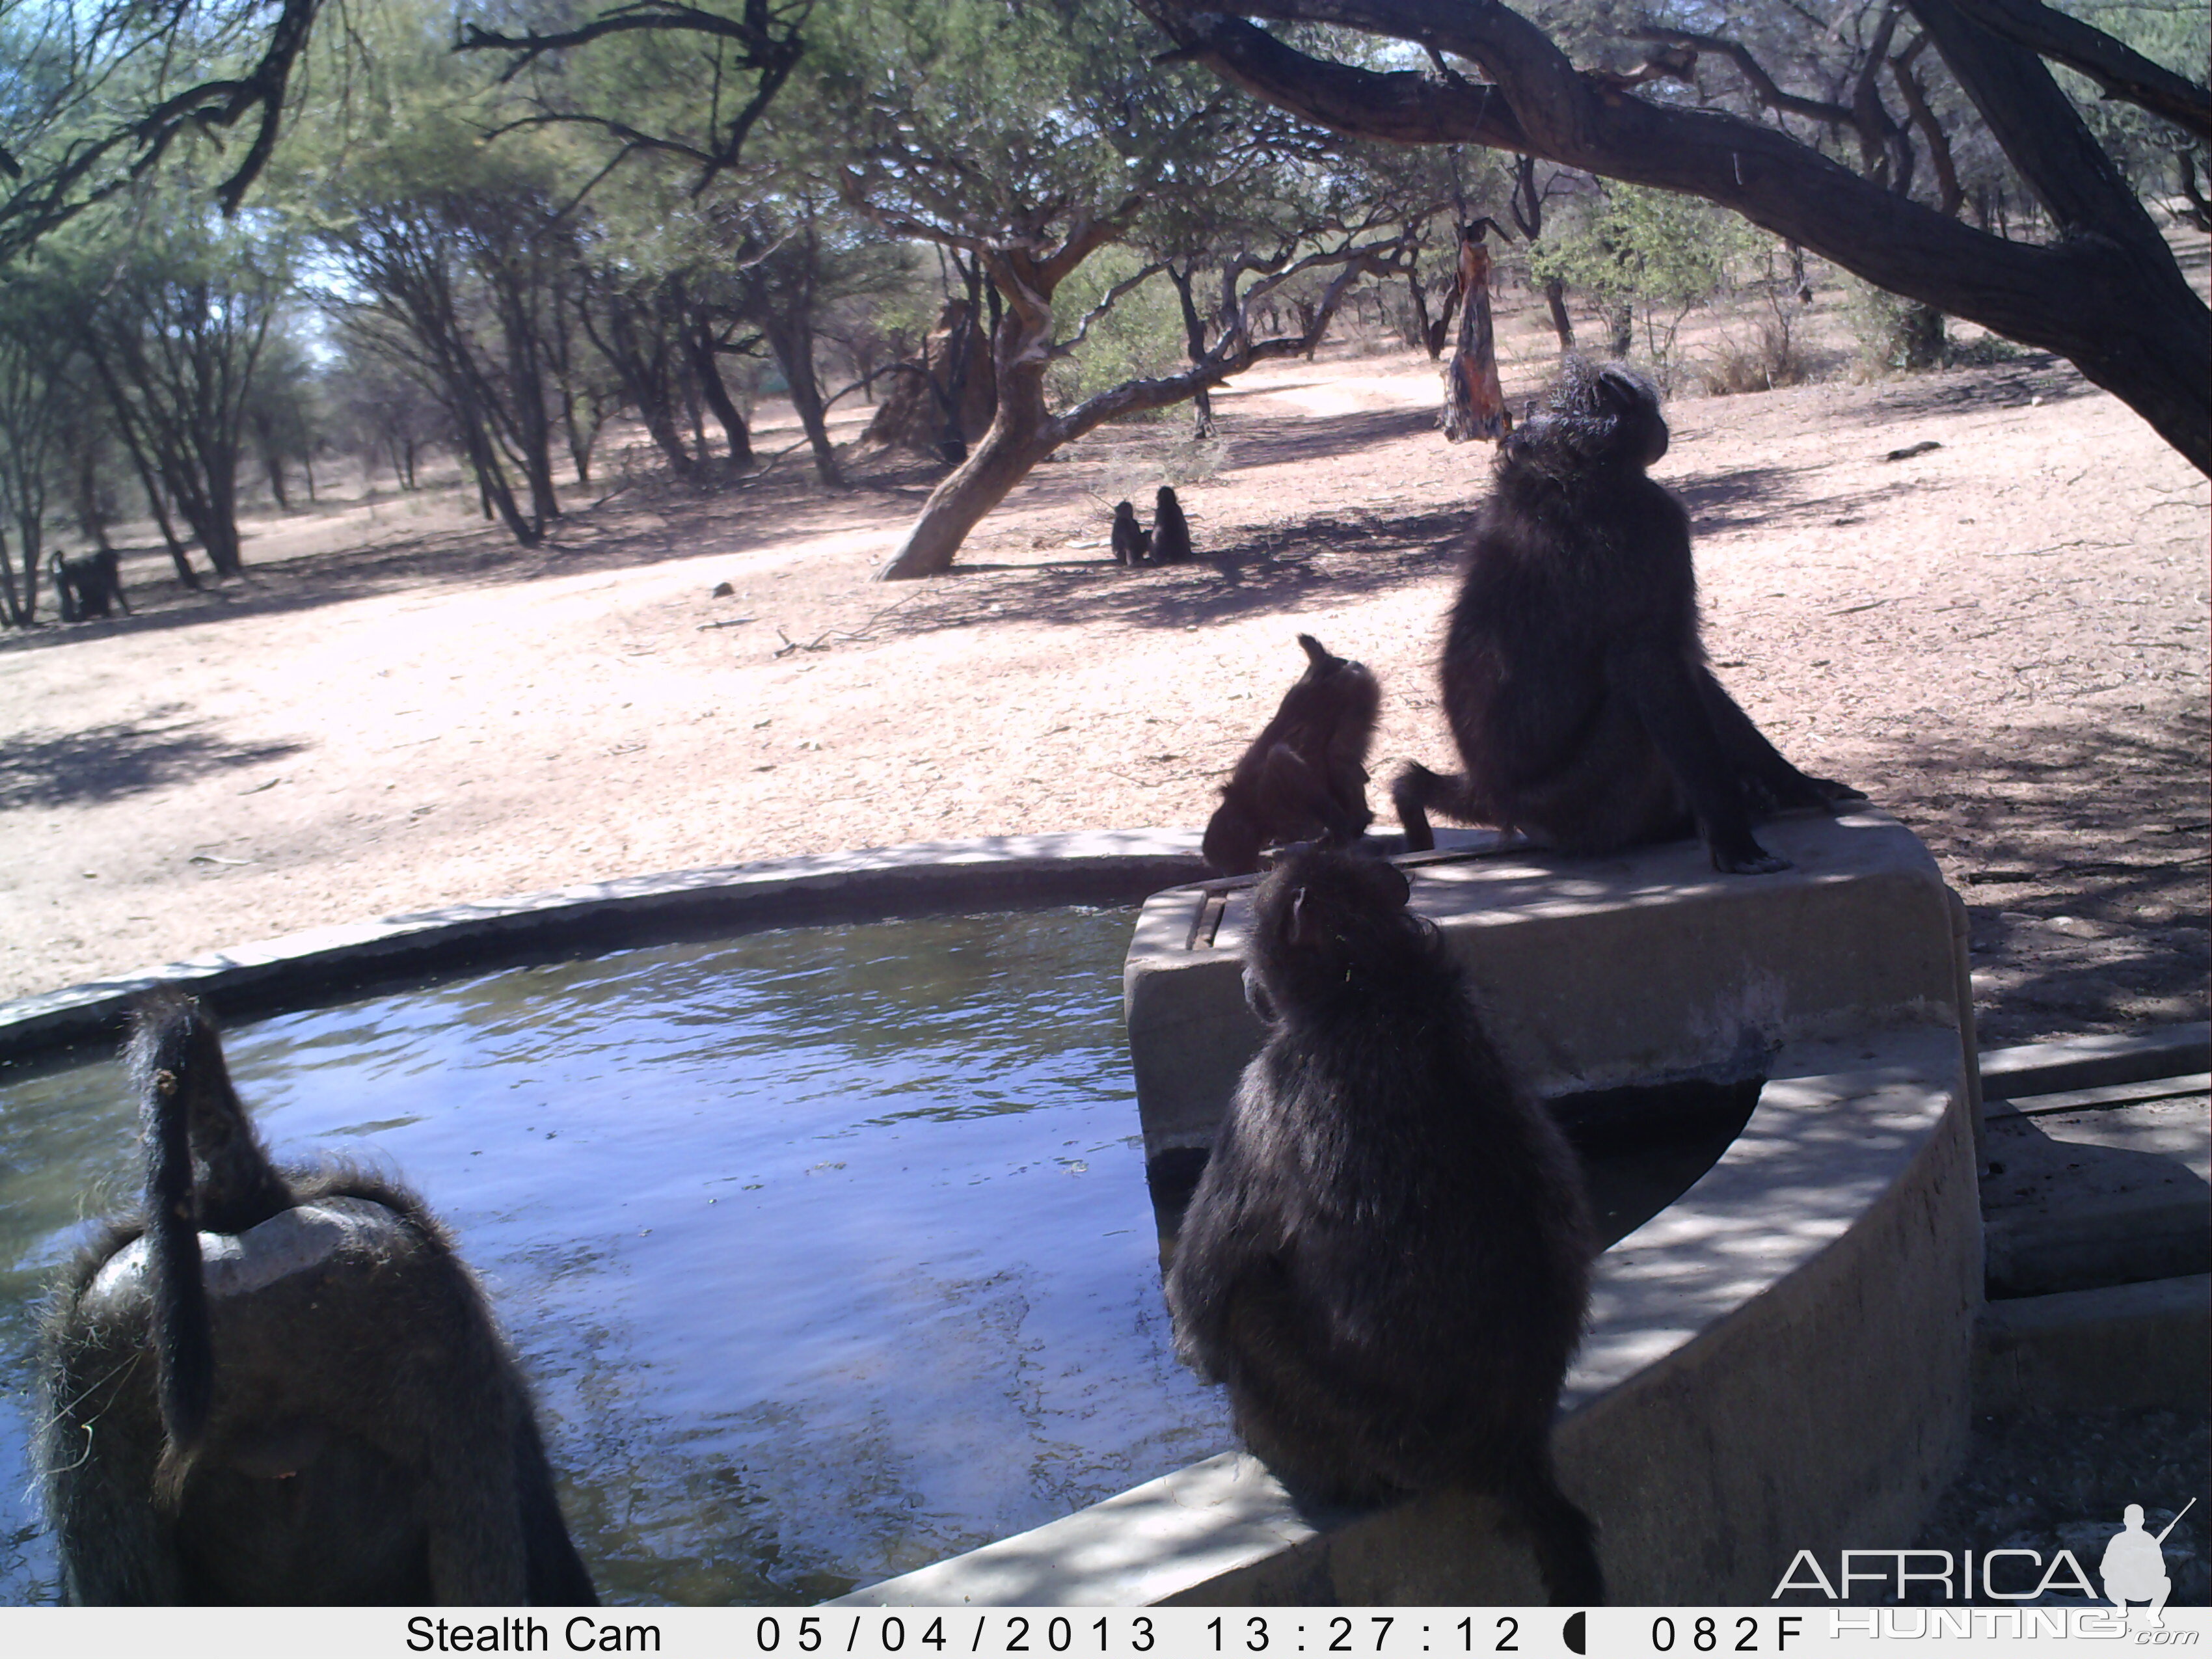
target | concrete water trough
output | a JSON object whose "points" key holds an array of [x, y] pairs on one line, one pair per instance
{"points": [[1777, 1359], [1780, 1339]]}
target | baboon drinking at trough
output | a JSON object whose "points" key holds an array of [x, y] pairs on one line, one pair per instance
{"points": [[1387, 1258], [1305, 774], [1170, 529], [279, 1387], [86, 585], [1131, 544], [1574, 679]]}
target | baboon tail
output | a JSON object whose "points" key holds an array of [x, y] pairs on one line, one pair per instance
{"points": [[161, 1065], [1317, 653], [1563, 1540], [557, 1576]]}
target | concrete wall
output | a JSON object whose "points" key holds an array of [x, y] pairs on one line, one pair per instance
{"points": [[1779, 1361], [1598, 972]]}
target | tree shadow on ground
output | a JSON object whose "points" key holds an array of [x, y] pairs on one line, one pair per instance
{"points": [[108, 762], [656, 519], [1773, 497], [1272, 572], [2082, 857], [2011, 382], [1272, 440]]}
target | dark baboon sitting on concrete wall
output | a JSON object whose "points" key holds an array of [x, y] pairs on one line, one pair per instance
{"points": [[1574, 680], [1387, 1258], [1305, 774], [276, 1386]]}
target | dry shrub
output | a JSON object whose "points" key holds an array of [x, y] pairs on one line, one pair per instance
{"points": [[1773, 358]]}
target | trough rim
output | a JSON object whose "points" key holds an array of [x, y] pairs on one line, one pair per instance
{"points": [[319, 965]]}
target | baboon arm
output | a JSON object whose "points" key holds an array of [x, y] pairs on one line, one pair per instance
{"points": [[1663, 688], [1746, 745], [1290, 790], [1788, 786]]}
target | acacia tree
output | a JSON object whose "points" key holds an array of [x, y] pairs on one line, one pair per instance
{"points": [[172, 311], [33, 386], [457, 255], [2103, 291], [1029, 139]]}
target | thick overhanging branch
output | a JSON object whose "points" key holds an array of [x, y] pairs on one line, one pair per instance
{"points": [[55, 194], [1401, 107], [2119, 70], [2105, 294]]}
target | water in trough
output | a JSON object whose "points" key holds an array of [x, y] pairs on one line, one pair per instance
{"points": [[828, 1249]]}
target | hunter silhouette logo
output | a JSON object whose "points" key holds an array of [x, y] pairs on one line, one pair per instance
{"points": [[2134, 1567]]}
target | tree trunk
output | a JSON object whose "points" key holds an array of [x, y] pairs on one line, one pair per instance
{"points": [[1555, 296], [19, 614], [1022, 434], [1620, 320], [792, 341], [1920, 330], [85, 499], [699, 341], [1005, 456]]}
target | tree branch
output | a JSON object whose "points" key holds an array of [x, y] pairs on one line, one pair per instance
{"points": [[2119, 70], [1066, 347], [2106, 294]]}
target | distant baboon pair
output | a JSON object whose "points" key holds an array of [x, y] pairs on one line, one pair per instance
{"points": [[1168, 541], [282, 1387], [87, 583]]}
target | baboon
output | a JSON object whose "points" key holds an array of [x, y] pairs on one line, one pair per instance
{"points": [[1131, 544], [281, 1387], [1305, 774], [1170, 529], [86, 585], [1387, 1258], [1574, 680]]}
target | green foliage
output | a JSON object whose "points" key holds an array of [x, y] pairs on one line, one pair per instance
{"points": [[2176, 35], [1658, 254], [1140, 339]]}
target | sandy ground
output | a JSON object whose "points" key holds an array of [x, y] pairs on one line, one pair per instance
{"points": [[2002, 640]]}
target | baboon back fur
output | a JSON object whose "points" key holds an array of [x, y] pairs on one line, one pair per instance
{"points": [[323, 1412], [1574, 679], [1305, 774], [1387, 1258]]}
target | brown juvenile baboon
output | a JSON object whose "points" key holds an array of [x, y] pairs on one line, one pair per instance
{"points": [[278, 1387], [1387, 1258], [1131, 544], [88, 584], [1170, 529], [1574, 679], [1305, 774]]}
